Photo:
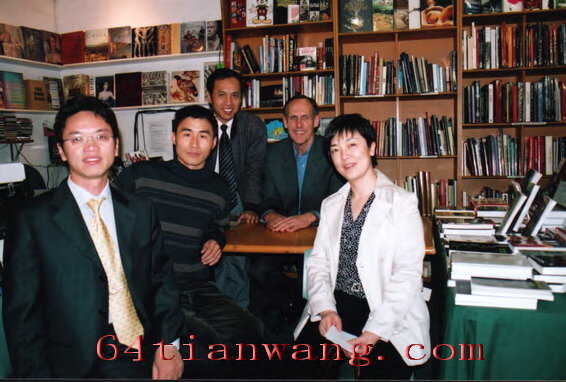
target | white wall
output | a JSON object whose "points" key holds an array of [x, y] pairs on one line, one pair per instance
{"points": [[72, 15]]}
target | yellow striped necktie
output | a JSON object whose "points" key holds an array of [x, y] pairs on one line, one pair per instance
{"points": [[124, 317]]}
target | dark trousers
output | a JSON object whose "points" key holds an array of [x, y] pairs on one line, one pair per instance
{"points": [[214, 318], [354, 312]]}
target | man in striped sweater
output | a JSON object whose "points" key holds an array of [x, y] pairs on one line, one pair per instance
{"points": [[193, 205]]}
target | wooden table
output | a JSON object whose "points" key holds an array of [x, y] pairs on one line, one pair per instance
{"points": [[256, 238]]}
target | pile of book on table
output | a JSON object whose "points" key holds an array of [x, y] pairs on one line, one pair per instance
{"points": [[514, 256]]}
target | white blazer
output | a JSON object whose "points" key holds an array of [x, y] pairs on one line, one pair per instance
{"points": [[390, 258]]}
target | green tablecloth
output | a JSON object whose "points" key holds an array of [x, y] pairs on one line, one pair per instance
{"points": [[518, 344]]}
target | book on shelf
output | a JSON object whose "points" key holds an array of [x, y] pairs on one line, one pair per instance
{"points": [[104, 90], [120, 42], [36, 96], [314, 10], [512, 5], [533, 243], [260, 12], [382, 15], [213, 35], [437, 13], [490, 6], [447, 213], [485, 245], [304, 10], [518, 200], [164, 42], [52, 47], [548, 263], [249, 59], [33, 44], [355, 16], [307, 58], [184, 86], [401, 14], [72, 47], [491, 265], [154, 88], [12, 41], [465, 297], [511, 288], [144, 41], [540, 213], [281, 11], [293, 13], [275, 130], [550, 278], [271, 95], [76, 85], [96, 45], [13, 90], [54, 90], [325, 10], [128, 89], [237, 13], [175, 38]]}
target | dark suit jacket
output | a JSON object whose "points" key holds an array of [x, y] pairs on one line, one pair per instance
{"points": [[280, 183], [56, 294], [249, 142]]}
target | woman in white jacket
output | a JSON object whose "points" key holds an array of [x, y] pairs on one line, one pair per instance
{"points": [[364, 273]]}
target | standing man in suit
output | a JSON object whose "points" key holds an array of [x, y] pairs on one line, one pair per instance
{"points": [[84, 261], [297, 175], [242, 143]]}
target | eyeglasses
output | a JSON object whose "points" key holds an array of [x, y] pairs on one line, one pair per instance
{"points": [[79, 140]]}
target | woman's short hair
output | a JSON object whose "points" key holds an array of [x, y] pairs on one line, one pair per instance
{"points": [[350, 123]]}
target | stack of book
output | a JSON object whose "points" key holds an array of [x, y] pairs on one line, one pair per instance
{"points": [[472, 227], [466, 265], [550, 267]]}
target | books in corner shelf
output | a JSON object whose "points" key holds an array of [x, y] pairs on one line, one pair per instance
{"points": [[120, 42], [75, 85], [464, 296], [96, 45], [144, 41], [104, 88], [259, 12], [437, 13], [36, 96]]}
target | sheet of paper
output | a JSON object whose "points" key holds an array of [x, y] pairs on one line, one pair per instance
{"points": [[158, 142], [340, 338]]}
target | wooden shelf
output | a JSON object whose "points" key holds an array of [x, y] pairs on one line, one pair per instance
{"points": [[470, 177], [411, 33], [513, 124], [28, 111], [534, 15], [280, 108], [285, 74], [393, 96], [279, 29], [419, 157], [468, 73], [18, 140]]}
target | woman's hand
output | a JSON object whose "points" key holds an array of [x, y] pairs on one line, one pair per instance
{"points": [[329, 318], [368, 339]]}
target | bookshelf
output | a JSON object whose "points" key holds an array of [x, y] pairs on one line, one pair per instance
{"points": [[517, 70]]}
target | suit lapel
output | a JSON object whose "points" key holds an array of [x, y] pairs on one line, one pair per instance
{"points": [[314, 165], [124, 218], [289, 166], [68, 219]]}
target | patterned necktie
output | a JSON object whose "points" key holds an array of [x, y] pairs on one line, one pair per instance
{"points": [[124, 317], [227, 165]]}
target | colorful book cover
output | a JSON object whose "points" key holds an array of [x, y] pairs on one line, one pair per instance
{"points": [[13, 90], [12, 41], [237, 13], [437, 13], [33, 44], [193, 37], [120, 42], [213, 35], [401, 14], [128, 89], [54, 90], [96, 45], [307, 58], [73, 47], [356, 16], [382, 15], [36, 96], [259, 12], [164, 39], [154, 88], [52, 47], [184, 86], [76, 85], [275, 130], [144, 41], [281, 10], [104, 90], [512, 5], [271, 95]]}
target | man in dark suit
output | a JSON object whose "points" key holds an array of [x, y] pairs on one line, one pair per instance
{"points": [[84, 261], [242, 141], [297, 175]]}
